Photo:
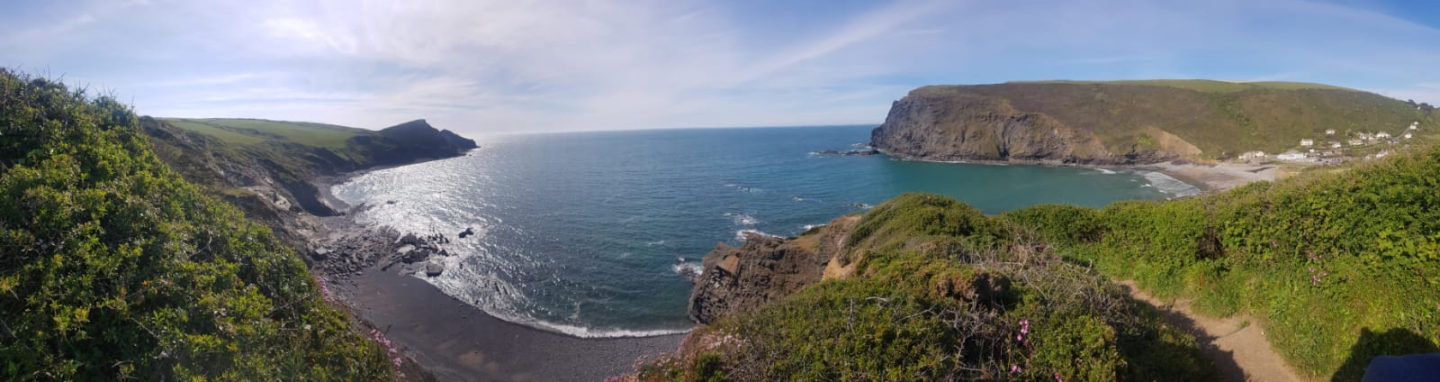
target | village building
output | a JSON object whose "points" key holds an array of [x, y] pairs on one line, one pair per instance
{"points": [[1357, 142], [1408, 135], [1334, 145], [1307, 142], [1252, 155], [1382, 135], [1329, 131], [1291, 156]]}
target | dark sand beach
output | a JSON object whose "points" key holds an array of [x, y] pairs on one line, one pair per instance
{"points": [[458, 342]]}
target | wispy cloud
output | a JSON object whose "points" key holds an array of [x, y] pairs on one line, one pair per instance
{"points": [[502, 65]]}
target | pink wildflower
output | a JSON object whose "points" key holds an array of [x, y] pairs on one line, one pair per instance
{"points": [[1014, 369], [1057, 378]]}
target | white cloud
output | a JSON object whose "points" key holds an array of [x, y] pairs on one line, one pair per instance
{"points": [[506, 65]]}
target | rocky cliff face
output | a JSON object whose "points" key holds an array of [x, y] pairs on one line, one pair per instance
{"points": [[417, 140], [963, 126], [765, 269]]}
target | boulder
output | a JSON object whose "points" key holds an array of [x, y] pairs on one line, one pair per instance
{"points": [[468, 231], [433, 269]]}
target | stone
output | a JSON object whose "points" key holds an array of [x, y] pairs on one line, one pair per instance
{"points": [[434, 269]]}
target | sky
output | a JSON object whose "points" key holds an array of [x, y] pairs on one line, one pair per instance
{"points": [[508, 66]]}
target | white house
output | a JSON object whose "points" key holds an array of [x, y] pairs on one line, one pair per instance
{"points": [[1252, 155], [1408, 135], [1291, 156], [1382, 135], [1356, 142], [1329, 131], [1334, 145], [1415, 125], [1307, 142]]}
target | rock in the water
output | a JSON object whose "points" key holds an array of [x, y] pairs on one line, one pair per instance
{"points": [[434, 269], [404, 249], [409, 238], [468, 231]]}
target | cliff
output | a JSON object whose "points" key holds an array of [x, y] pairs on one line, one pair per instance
{"points": [[276, 171], [1127, 122], [764, 269]]}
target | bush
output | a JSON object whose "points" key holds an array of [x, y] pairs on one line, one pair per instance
{"points": [[112, 267]]}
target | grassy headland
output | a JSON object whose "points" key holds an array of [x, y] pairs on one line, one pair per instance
{"points": [[1138, 122]]}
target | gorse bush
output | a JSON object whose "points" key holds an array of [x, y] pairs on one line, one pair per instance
{"points": [[112, 267]]}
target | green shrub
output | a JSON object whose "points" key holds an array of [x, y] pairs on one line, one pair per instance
{"points": [[112, 267]]}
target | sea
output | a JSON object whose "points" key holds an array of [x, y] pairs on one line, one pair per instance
{"points": [[589, 233]]}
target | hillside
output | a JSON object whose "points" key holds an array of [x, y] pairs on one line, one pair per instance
{"points": [[1130, 122], [274, 170], [1336, 267], [112, 267]]}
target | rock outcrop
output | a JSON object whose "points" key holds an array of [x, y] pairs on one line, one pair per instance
{"points": [[764, 269]]}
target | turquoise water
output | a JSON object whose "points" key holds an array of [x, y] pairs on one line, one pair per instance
{"points": [[584, 233]]}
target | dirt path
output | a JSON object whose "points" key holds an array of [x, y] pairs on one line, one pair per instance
{"points": [[1237, 344]]}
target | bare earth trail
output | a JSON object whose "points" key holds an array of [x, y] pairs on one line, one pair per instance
{"points": [[1240, 350]]}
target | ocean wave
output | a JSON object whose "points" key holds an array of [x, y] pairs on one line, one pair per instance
{"points": [[808, 227], [1105, 171], [744, 188], [1169, 185], [584, 332], [742, 219], [654, 243], [740, 235], [686, 268]]}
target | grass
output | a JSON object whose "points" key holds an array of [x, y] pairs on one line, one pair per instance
{"points": [[1206, 86], [305, 133], [1319, 259], [943, 293]]}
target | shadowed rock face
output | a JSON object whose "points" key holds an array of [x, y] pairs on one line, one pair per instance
{"points": [[417, 139], [964, 126], [764, 269]]}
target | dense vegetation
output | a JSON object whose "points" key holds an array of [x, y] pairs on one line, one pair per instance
{"points": [[1339, 266], [113, 267], [1222, 119], [943, 292]]}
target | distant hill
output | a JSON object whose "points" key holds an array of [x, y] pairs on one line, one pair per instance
{"points": [[1119, 122], [270, 168]]}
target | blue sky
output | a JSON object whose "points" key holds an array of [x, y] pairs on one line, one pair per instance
{"points": [[501, 66]]}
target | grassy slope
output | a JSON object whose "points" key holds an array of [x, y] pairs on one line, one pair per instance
{"points": [[113, 267], [1223, 119], [943, 292], [1339, 265]]}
